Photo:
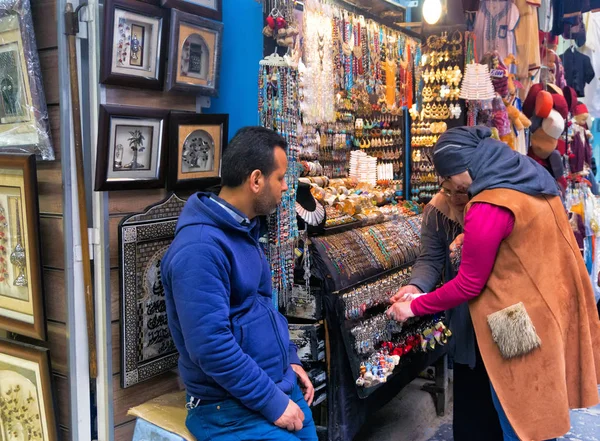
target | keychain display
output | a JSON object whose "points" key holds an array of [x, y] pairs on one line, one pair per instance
{"points": [[361, 299], [422, 335]]}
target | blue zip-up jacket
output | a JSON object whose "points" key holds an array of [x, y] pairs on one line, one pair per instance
{"points": [[230, 338]]}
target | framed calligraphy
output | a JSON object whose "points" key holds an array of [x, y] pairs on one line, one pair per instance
{"points": [[147, 348]]}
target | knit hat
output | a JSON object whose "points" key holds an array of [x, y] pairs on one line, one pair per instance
{"points": [[561, 106], [580, 109]]}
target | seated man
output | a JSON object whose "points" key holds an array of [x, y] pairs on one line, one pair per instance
{"points": [[240, 370]]}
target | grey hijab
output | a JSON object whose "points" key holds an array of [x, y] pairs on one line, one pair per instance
{"points": [[491, 163]]}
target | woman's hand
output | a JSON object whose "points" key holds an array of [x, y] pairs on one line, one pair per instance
{"points": [[456, 245], [406, 294], [400, 311]]}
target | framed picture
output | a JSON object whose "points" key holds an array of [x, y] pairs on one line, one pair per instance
{"points": [[133, 44], [197, 142], [26, 401], [24, 124], [194, 54], [205, 8], [146, 344], [132, 148], [21, 289]]}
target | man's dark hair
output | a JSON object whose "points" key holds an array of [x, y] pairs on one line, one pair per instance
{"points": [[252, 148]]}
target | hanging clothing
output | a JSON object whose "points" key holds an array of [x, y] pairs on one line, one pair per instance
{"points": [[592, 50], [527, 40], [545, 15], [578, 70], [495, 25]]}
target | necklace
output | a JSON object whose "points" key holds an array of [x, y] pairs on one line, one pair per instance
{"points": [[312, 218]]}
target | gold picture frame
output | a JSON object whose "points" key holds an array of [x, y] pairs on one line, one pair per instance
{"points": [[26, 399], [21, 289]]}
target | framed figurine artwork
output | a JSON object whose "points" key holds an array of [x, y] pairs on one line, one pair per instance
{"points": [[21, 290], [147, 348], [26, 401], [132, 148], [197, 142], [194, 54], [134, 44], [24, 126], [212, 9]]}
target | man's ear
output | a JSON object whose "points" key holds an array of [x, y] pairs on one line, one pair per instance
{"points": [[256, 181]]}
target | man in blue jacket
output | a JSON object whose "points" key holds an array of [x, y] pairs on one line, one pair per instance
{"points": [[243, 377]]}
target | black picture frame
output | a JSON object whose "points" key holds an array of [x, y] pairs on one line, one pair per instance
{"points": [[191, 8], [201, 86], [175, 178], [144, 7], [146, 350], [103, 182]]}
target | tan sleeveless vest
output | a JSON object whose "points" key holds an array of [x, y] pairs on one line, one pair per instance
{"points": [[540, 265]]}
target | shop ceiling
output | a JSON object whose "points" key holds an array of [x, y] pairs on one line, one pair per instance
{"points": [[391, 10]]}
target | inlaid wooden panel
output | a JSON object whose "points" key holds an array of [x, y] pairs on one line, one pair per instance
{"points": [[151, 98], [57, 343], [52, 239], [124, 432], [49, 66], [44, 23], [125, 399], [55, 295]]}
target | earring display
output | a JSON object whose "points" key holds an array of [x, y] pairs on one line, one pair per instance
{"points": [[438, 106]]}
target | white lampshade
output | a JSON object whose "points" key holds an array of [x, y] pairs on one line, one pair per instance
{"points": [[477, 83], [432, 11]]}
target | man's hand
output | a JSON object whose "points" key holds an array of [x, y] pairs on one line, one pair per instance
{"points": [[458, 243], [406, 293], [305, 384], [400, 311], [292, 418]]}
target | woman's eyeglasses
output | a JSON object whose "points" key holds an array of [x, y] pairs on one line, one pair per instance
{"points": [[450, 193]]}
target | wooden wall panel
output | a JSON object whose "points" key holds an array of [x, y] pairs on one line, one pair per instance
{"points": [[52, 239], [49, 66], [115, 296], [124, 432], [133, 201], [151, 98], [54, 123], [58, 345], [44, 23], [125, 399], [113, 228], [63, 411], [55, 295], [50, 186]]}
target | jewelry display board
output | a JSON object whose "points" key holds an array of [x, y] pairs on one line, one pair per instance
{"points": [[147, 348]]}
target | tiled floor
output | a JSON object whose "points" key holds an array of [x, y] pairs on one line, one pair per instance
{"points": [[585, 426]]}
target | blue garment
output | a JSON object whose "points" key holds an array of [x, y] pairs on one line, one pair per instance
{"points": [[230, 420], [490, 163], [230, 338], [509, 432]]}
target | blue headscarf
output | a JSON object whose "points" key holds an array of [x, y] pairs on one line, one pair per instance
{"points": [[491, 163]]}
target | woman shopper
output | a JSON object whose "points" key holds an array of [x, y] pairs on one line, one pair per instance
{"points": [[530, 297], [474, 418]]}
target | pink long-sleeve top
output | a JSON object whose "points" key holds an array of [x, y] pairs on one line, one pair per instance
{"points": [[486, 226]]}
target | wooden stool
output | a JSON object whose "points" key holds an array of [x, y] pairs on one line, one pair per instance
{"points": [[162, 419]]}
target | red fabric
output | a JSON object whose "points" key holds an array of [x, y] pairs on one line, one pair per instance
{"points": [[486, 226]]}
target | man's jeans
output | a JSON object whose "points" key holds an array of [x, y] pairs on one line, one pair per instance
{"points": [[509, 432], [230, 420]]}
